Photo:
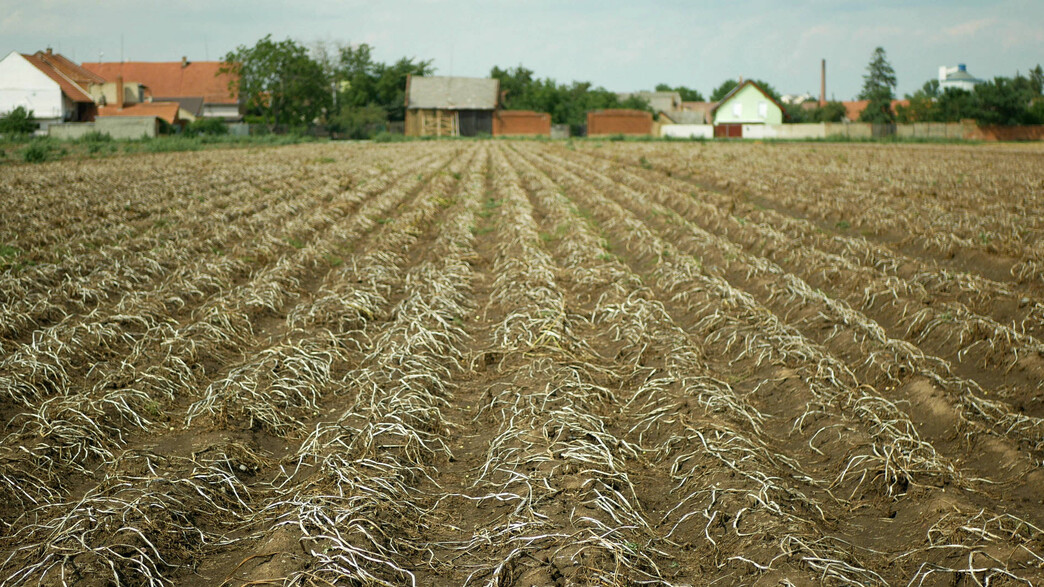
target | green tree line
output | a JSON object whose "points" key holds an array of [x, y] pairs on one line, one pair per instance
{"points": [[345, 88]]}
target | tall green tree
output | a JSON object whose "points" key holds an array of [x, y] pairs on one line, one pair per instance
{"points": [[279, 81], [687, 94], [1036, 77], [879, 88], [723, 90], [364, 81]]}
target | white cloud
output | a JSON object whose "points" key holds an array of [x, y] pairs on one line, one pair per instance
{"points": [[967, 29]]}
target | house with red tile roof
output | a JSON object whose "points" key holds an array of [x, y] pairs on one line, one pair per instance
{"points": [[178, 81], [53, 87], [166, 111]]}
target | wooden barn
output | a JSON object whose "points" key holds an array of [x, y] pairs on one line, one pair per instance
{"points": [[450, 106]]}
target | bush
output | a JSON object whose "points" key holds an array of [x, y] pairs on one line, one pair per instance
{"points": [[95, 137], [360, 123], [388, 137], [206, 126], [41, 150], [18, 122]]}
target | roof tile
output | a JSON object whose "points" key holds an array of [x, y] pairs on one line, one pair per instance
{"points": [[172, 79]]}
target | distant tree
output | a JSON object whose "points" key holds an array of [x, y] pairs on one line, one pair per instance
{"points": [[729, 84], [795, 113], [567, 104], [1036, 77], [687, 94], [830, 112], [1006, 100], [921, 105], [517, 85], [723, 90], [954, 105], [359, 122], [879, 88], [18, 121], [931, 88], [279, 81], [390, 84]]}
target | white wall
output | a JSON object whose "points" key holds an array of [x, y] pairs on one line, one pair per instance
{"points": [[22, 84], [228, 111], [687, 131]]}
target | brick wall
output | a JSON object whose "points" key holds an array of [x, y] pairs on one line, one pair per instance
{"points": [[521, 122], [1006, 133], [622, 122]]}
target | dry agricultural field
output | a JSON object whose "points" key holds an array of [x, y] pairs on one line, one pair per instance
{"points": [[525, 363]]}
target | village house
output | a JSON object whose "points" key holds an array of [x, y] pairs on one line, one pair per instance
{"points": [[54, 88], [199, 88], [450, 106], [748, 104]]}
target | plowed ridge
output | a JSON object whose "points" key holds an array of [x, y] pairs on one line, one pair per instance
{"points": [[518, 363]]}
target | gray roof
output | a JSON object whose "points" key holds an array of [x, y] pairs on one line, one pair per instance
{"points": [[453, 93], [658, 101], [961, 76], [686, 116]]}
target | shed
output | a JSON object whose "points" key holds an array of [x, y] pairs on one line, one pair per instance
{"points": [[619, 122], [521, 123], [747, 103], [450, 106]]}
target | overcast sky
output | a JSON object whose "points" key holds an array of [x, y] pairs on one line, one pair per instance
{"points": [[619, 44]]}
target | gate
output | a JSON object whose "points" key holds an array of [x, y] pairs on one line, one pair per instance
{"points": [[728, 131]]}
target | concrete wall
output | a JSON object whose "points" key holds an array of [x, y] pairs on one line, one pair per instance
{"points": [[852, 130], [223, 111], [70, 131], [521, 122], [22, 84], [687, 131], [619, 122], [118, 127], [932, 130], [559, 131], [748, 105]]}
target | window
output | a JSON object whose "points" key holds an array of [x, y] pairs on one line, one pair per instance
{"points": [[763, 109], [737, 109]]}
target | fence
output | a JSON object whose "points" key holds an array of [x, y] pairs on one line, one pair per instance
{"points": [[687, 131], [118, 127], [862, 130]]}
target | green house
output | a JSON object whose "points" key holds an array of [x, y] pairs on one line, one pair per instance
{"points": [[747, 103]]}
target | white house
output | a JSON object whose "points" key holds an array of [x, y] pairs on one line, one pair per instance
{"points": [[51, 86]]}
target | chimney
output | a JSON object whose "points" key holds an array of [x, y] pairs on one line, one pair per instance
{"points": [[119, 92], [184, 61], [50, 51], [822, 83], [741, 80]]}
